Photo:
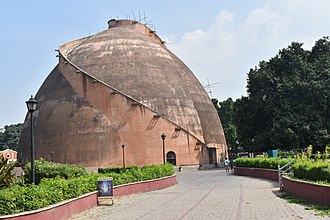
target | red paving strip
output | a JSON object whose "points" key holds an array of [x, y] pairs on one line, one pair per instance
{"points": [[240, 202]]}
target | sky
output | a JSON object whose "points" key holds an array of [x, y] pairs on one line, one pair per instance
{"points": [[219, 40]]}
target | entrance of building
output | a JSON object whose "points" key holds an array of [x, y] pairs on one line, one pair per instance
{"points": [[171, 157], [212, 156]]}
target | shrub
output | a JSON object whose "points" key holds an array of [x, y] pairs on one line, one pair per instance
{"points": [[316, 169], [157, 171], [262, 162], [20, 197], [46, 169], [6, 175], [117, 169], [326, 152], [312, 170], [134, 174]]}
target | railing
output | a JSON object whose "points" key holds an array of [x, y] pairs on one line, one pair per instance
{"points": [[285, 170]]}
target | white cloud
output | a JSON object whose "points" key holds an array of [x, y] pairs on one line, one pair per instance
{"points": [[226, 50]]}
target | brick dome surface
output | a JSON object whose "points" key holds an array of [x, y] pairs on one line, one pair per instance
{"points": [[132, 60]]}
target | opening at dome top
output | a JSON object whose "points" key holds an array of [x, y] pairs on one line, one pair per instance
{"points": [[121, 23], [138, 27]]}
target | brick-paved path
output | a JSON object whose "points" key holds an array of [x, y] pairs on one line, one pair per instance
{"points": [[211, 194]]}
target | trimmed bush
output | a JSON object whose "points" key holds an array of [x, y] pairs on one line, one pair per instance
{"points": [[157, 171], [262, 162], [69, 183], [117, 169], [20, 198], [307, 169], [312, 170], [46, 169]]}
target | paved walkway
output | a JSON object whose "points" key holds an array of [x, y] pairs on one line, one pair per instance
{"points": [[211, 194]]}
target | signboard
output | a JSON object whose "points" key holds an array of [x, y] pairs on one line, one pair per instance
{"points": [[105, 190], [104, 186]]}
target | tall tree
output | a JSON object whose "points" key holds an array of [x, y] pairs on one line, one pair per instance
{"points": [[1, 134], [245, 119], [288, 103], [10, 136], [225, 111]]}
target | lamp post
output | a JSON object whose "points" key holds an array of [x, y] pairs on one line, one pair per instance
{"points": [[32, 106], [163, 136], [123, 147]]}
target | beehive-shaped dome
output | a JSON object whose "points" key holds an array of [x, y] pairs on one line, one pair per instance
{"points": [[131, 63]]}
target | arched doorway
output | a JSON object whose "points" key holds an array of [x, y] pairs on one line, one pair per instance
{"points": [[171, 157]]}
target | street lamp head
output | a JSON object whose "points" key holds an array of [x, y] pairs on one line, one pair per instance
{"points": [[123, 146], [31, 104], [163, 136]]}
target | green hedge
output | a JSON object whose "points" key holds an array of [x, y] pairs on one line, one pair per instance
{"points": [[46, 169], [312, 170], [262, 162], [20, 197], [116, 169], [307, 169]]}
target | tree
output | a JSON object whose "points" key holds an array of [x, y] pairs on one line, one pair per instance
{"points": [[245, 120], [288, 103], [10, 136], [225, 111], [1, 136]]}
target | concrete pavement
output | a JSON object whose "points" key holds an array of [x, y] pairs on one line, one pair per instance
{"points": [[206, 194]]}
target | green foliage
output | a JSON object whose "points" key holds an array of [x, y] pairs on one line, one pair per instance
{"points": [[6, 176], [244, 120], [326, 152], [68, 182], [262, 162], [116, 169], [10, 136], [288, 105], [46, 169], [317, 169], [312, 170], [1, 139], [134, 174], [21, 198], [309, 151], [157, 171], [225, 110]]}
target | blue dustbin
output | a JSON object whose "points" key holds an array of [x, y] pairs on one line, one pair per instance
{"points": [[272, 153]]}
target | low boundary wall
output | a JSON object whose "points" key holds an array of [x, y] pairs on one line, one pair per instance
{"points": [[144, 186], [257, 172], [68, 208], [314, 193]]}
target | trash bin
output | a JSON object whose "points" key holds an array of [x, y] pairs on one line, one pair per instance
{"points": [[272, 153]]}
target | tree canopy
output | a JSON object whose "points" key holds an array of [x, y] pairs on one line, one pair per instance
{"points": [[10, 136], [288, 102], [226, 110]]}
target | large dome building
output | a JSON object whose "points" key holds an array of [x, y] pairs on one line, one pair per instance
{"points": [[123, 86]]}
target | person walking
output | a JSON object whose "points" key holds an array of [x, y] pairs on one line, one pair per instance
{"points": [[231, 164], [227, 164]]}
